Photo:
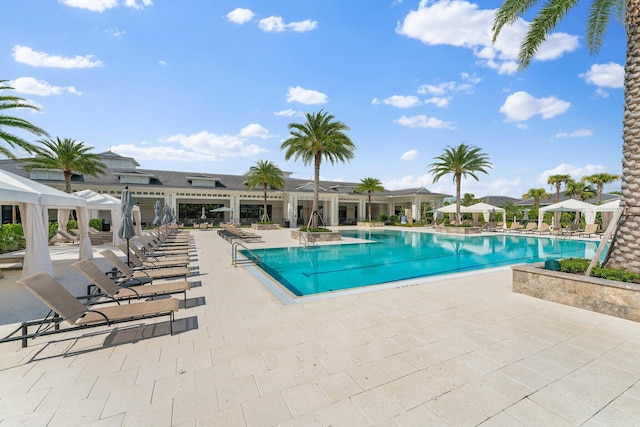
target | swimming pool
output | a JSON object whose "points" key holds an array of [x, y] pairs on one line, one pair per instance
{"points": [[391, 256]]}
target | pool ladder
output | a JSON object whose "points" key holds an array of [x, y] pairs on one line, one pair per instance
{"points": [[253, 259], [307, 239]]}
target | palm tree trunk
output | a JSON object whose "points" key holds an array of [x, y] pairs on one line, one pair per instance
{"points": [[67, 182], [316, 191], [369, 205], [458, 178], [625, 252]]}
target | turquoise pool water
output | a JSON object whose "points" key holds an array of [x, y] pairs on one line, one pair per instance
{"points": [[401, 255]]}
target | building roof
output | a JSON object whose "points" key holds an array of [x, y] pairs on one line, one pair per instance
{"points": [[151, 178]]}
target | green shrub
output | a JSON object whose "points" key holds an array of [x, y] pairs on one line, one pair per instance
{"points": [[11, 238], [315, 230], [384, 218], [574, 265], [96, 223], [617, 275]]}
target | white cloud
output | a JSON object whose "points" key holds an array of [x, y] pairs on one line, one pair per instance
{"points": [[461, 24], [609, 75], [521, 106], [580, 133], [162, 62], [289, 113], [240, 16], [443, 92], [92, 5], [422, 121], [102, 5], [115, 32], [138, 4], [26, 55], [254, 130], [576, 172], [276, 24], [409, 181], [39, 87], [438, 101], [306, 96], [601, 93], [401, 101], [410, 155]]}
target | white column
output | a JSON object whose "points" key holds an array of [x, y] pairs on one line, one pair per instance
{"points": [[362, 210]]}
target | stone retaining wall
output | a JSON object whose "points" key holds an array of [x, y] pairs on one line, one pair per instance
{"points": [[618, 299], [370, 224], [457, 230], [327, 236]]}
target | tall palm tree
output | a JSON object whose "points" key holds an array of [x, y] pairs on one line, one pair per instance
{"points": [[460, 161], [265, 174], [600, 180], [68, 156], [624, 252], [319, 137], [580, 190], [7, 102], [468, 199], [369, 185], [536, 194], [557, 181]]}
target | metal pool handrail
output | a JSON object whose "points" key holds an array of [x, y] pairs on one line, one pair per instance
{"points": [[246, 260]]}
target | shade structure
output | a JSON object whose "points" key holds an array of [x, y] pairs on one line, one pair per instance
{"points": [[571, 205], [157, 221], [106, 202], [486, 209], [126, 229], [33, 199]]}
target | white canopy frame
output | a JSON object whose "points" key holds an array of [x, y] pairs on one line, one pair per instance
{"points": [[33, 200], [571, 205], [106, 202]]}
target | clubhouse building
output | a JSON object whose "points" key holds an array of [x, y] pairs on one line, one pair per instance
{"points": [[193, 196]]}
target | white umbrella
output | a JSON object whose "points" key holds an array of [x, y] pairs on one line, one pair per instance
{"points": [[156, 210], [204, 215]]}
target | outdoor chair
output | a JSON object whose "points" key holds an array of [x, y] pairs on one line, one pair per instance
{"points": [[589, 229], [141, 260], [62, 236], [66, 308], [530, 228], [543, 229], [112, 290], [130, 273], [515, 226]]}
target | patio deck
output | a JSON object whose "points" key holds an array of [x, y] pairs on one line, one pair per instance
{"points": [[461, 351]]}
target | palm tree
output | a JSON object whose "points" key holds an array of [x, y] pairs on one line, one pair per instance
{"points": [[369, 185], [460, 161], [624, 248], [536, 194], [68, 156], [468, 199], [557, 181], [265, 174], [580, 190], [599, 180], [7, 102], [319, 137]]}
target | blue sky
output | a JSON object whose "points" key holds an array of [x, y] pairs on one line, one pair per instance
{"points": [[210, 86]]}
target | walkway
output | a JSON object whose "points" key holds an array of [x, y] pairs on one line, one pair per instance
{"points": [[462, 352]]}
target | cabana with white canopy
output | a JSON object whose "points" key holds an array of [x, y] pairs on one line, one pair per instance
{"points": [[106, 202], [485, 209], [34, 199], [571, 205]]}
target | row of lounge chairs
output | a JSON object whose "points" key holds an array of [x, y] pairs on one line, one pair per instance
{"points": [[590, 230], [130, 283], [231, 232]]}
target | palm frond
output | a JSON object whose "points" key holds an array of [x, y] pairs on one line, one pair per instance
{"points": [[599, 17], [509, 13]]}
